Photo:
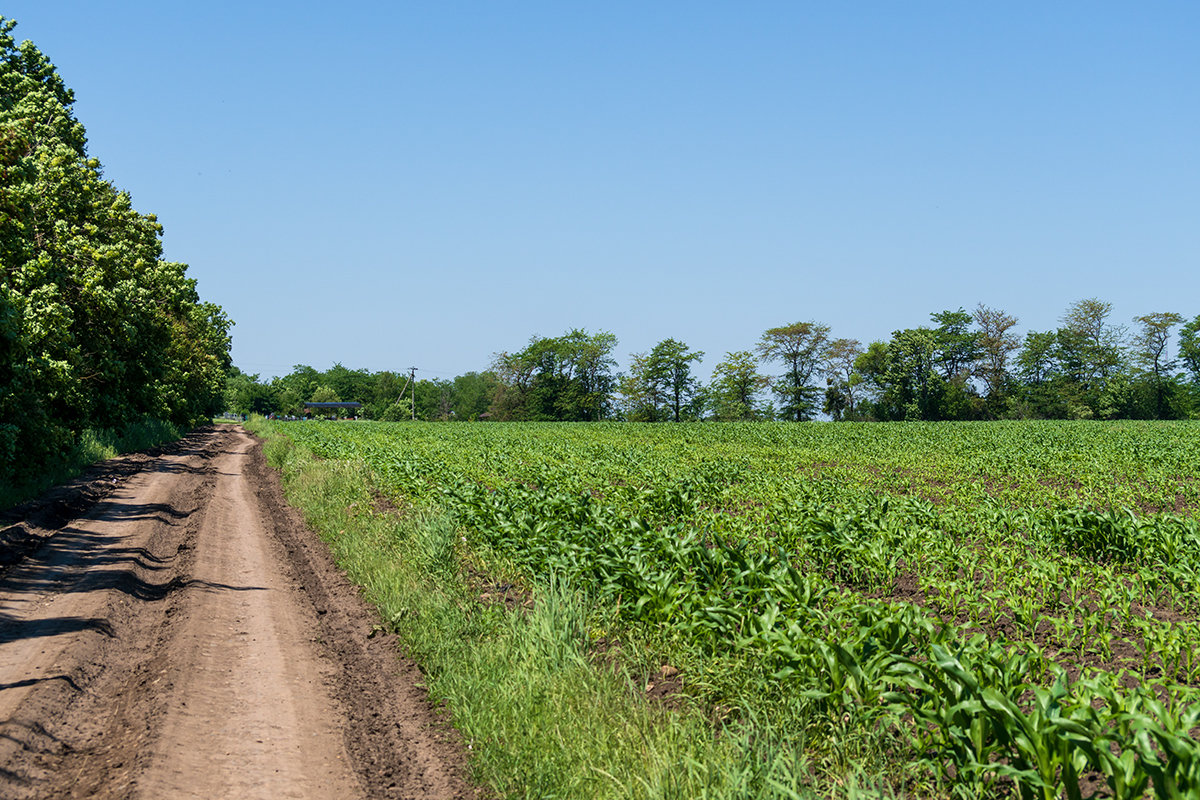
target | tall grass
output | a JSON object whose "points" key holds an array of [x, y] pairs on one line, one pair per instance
{"points": [[92, 447]]}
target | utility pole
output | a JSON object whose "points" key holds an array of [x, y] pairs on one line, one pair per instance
{"points": [[412, 378], [412, 399]]}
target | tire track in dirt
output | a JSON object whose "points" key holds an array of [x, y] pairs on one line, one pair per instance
{"points": [[188, 637]]}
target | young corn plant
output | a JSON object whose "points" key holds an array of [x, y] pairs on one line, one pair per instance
{"points": [[976, 707]]}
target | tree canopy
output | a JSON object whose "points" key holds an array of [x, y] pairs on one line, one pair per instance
{"points": [[568, 377], [96, 328], [802, 348]]}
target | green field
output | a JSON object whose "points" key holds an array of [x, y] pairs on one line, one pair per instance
{"points": [[910, 609]]}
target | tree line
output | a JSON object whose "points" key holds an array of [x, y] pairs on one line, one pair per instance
{"points": [[961, 366], [385, 395], [96, 329]]}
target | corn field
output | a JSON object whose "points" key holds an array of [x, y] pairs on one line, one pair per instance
{"points": [[1011, 607]]}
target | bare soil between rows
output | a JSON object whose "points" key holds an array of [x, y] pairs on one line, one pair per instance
{"points": [[169, 627]]}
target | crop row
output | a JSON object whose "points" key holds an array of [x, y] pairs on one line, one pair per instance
{"points": [[800, 572]]}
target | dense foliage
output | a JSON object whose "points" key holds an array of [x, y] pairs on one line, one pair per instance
{"points": [[96, 329], [1006, 609], [564, 378]]}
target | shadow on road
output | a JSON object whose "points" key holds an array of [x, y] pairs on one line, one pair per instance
{"points": [[13, 629], [161, 512], [35, 681], [80, 561]]}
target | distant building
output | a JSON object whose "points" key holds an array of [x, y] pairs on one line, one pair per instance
{"points": [[309, 408]]}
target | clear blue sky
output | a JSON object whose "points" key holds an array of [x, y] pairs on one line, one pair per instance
{"points": [[395, 184]]}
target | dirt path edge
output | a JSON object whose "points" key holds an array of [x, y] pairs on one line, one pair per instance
{"points": [[379, 689]]}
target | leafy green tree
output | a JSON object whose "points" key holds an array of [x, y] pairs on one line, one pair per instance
{"points": [[473, 393], [955, 345], [197, 358], [735, 387], [1189, 348], [433, 400], [564, 378], [801, 347], [956, 355], [244, 394], [1078, 371], [236, 382], [997, 344], [1151, 343], [1092, 348], [95, 327], [324, 394], [1040, 377], [591, 380], [1150, 349], [841, 378], [352, 385], [640, 397], [303, 380], [1038, 358], [907, 383], [668, 369], [914, 385], [288, 402], [1189, 359], [381, 392], [259, 399]]}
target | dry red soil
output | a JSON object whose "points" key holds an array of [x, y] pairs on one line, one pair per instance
{"points": [[169, 628]]}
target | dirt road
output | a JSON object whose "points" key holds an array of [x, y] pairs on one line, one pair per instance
{"points": [[187, 637]]}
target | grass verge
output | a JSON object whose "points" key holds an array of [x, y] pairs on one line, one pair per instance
{"points": [[543, 715]]}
